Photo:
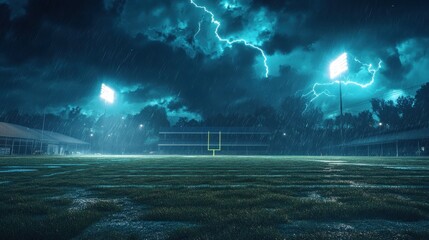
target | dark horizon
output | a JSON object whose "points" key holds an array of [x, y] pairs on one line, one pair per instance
{"points": [[293, 128]]}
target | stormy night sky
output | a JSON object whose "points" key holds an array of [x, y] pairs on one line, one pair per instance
{"points": [[55, 53]]}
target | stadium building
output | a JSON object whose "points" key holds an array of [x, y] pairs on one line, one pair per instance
{"points": [[405, 143], [213, 140], [20, 140]]}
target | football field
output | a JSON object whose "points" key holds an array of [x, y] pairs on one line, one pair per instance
{"points": [[221, 197]]}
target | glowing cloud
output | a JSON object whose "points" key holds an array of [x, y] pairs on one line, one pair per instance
{"points": [[234, 41]]}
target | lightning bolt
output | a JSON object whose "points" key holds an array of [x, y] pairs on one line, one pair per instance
{"points": [[314, 93], [371, 70], [199, 29], [234, 41]]}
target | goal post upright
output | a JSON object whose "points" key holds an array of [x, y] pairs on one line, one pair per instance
{"points": [[219, 148]]}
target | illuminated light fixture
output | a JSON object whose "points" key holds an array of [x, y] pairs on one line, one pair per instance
{"points": [[338, 66], [107, 94]]}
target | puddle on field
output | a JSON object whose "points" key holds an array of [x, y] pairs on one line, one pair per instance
{"points": [[182, 170], [232, 171], [401, 197], [369, 176], [381, 165], [359, 164], [31, 166], [61, 173], [73, 193], [18, 170], [330, 161], [127, 224], [327, 175], [332, 170], [316, 197], [81, 199], [136, 186], [407, 168], [80, 204], [64, 164], [200, 175], [353, 185], [296, 228]]}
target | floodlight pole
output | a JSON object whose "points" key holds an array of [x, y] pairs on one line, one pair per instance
{"points": [[108, 95], [104, 127], [341, 114], [336, 68], [43, 129]]}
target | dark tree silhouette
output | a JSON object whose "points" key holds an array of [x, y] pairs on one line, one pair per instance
{"points": [[387, 113], [297, 126], [407, 111], [422, 105]]}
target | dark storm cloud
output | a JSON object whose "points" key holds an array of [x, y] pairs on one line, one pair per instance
{"points": [[175, 105], [290, 6], [56, 53], [384, 15], [285, 44], [47, 51], [235, 23], [368, 30], [394, 70], [380, 22], [4, 19]]}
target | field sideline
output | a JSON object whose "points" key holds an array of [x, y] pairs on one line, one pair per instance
{"points": [[222, 197]]}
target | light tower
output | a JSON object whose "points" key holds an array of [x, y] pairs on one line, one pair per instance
{"points": [[108, 95], [336, 68]]}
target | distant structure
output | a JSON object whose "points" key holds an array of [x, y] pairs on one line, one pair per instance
{"points": [[404, 143], [218, 144], [20, 140], [214, 140]]}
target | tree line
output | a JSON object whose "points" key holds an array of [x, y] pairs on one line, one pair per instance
{"points": [[297, 127]]}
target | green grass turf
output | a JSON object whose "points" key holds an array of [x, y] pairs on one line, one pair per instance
{"points": [[222, 197]]}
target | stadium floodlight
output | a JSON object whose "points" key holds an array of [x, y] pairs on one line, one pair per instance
{"points": [[338, 66], [107, 94]]}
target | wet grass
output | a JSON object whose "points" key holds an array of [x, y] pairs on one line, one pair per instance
{"points": [[55, 225], [328, 235], [223, 197]]}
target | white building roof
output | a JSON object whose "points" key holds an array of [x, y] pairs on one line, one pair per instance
{"points": [[9, 130]]}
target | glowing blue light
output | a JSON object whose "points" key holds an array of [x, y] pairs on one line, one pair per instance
{"points": [[395, 94], [107, 94], [340, 67], [231, 42]]}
